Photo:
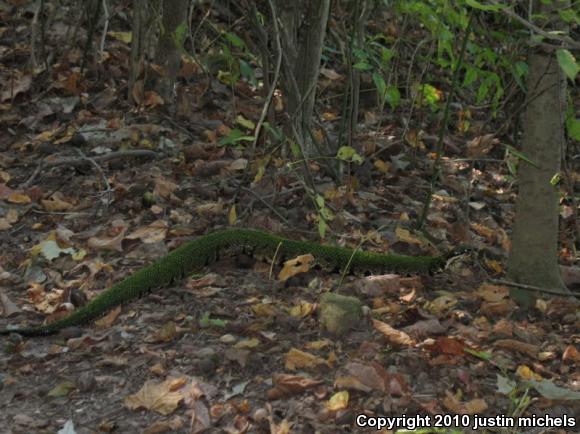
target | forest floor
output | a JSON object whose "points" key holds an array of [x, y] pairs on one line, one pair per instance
{"points": [[232, 348]]}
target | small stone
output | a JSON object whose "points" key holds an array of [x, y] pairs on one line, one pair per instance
{"points": [[338, 313], [260, 414], [228, 339]]}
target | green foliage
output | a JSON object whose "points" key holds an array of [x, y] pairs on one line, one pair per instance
{"points": [[568, 63], [180, 34], [235, 137], [348, 153], [233, 60]]}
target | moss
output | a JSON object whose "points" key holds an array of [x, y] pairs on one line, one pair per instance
{"points": [[206, 249]]}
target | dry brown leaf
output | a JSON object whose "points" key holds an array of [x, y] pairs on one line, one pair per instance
{"points": [[520, 347], [394, 336], [19, 198], [166, 333], [160, 397], [153, 233], [115, 243], [300, 264], [56, 204], [481, 146], [9, 308], [571, 355], [296, 359], [338, 401], [281, 428], [210, 209], [448, 346], [525, 373], [493, 293], [108, 320], [405, 236], [162, 426], [287, 385], [16, 86], [453, 404], [164, 187], [153, 99]]}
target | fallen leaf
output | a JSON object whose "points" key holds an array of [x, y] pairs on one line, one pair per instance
{"points": [[571, 355], [162, 426], [338, 401], [296, 359], [107, 321], [153, 233], [405, 236], [14, 87], [19, 198], [56, 204], [525, 373], [160, 397], [393, 336], [9, 308], [521, 347], [115, 243], [300, 264]]}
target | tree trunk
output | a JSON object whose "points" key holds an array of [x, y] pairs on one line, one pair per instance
{"points": [[303, 32], [169, 46], [533, 259]]}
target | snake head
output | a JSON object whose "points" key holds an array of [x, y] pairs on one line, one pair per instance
{"points": [[457, 256]]}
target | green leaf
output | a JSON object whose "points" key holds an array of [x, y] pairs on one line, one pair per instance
{"points": [[488, 8], [179, 34], [348, 153], [322, 228], [62, 389], [386, 55], [246, 123], [381, 86], [295, 148], [484, 355], [393, 96], [573, 128], [234, 40], [205, 321], [568, 63], [520, 71], [247, 72], [520, 155], [235, 136], [470, 76], [362, 66], [319, 201]]}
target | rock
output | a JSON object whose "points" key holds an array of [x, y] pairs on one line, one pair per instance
{"points": [[338, 313]]}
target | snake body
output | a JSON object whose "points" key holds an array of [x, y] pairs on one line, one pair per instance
{"points": [[206, 249]]}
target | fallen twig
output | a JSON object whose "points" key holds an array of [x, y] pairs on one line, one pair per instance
{"points": [[534, 288]]}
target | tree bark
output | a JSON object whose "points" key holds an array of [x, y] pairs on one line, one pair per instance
{"points": [[169, 46], [533, 259]]}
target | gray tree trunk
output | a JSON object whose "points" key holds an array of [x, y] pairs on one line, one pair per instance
{"points": [[533, 259], [169, 46], [302, 35]]}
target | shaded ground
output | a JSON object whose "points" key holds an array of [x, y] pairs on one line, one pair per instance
{"points": [[233, 349]]}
